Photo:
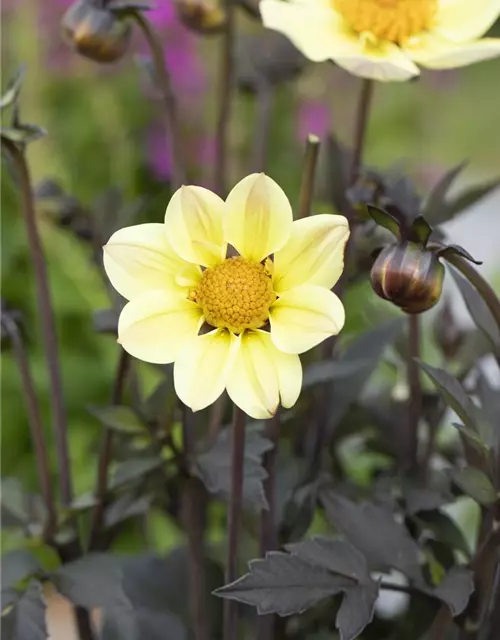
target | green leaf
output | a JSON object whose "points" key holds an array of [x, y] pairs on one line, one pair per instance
{"points": [[385, 543], [456, 589], [420, 231], [327, 370], [23, 133], [13, 88], [214, 467], [18, 565], [105, 321], [384, 219], [444, 529], [478, 309], [369, 346], [14, 503], [119, 418], [456, 249], [134, 470], [476, 484], [335, 555], [466, 199], [436, 201], [454, 396], [25, 620], [356, 610], [283, 584]]}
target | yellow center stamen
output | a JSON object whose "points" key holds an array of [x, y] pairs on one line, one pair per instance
{"points": [[393, 20], [235, 295]]}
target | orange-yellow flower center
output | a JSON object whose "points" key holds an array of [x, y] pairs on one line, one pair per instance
{"points": [[393, 20], [235, 295]]}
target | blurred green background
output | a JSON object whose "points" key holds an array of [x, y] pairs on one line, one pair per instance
{"points": [[105, 130]]}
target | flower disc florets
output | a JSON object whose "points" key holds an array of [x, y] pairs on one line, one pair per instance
{"points": [[393, 20], [235, 295]]}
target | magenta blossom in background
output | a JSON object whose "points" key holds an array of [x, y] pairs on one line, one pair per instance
{"points": [[313, 117]]}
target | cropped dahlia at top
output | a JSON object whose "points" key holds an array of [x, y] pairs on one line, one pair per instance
{"points": [[230, 292], [383, 39]]}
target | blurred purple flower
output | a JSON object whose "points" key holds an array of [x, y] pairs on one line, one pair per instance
{"points": [[313, 117]]}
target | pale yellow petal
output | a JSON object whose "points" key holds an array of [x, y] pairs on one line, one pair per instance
{"points": [[193, 223], [202, 368], [154, 326], [305, 316], [139, 259], [262, 376], [310, 26], [314, 254], [462, 20], [384, 62], [434, 52], [258, 218]]}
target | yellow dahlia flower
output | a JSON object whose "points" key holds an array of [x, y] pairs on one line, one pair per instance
{"points": [[230, 292], [383, 39]]}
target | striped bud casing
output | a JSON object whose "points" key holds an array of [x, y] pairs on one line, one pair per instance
{"points": [[409, 276], [96, 33]]}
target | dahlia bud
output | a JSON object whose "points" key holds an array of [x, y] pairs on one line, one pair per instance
{"points": [[95, 33], [201, 16], [409, 276]]}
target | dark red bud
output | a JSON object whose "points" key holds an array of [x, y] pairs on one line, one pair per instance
{"points": [[96, 33], [408, 276]]}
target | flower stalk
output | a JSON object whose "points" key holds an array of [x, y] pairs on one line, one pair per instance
{"points": [[47, 319], [35, 423], [308, 176], [268, 520], [225, 92], [234, 516], [360, 128], [193, 516], [415, 391], [170, 103], [105, 453]]}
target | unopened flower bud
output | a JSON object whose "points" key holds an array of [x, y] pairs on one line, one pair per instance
{"points": [[201, 16], [96, 33], [409, 276]]}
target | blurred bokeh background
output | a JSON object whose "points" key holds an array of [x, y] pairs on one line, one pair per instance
{"points": [[106, 142]]}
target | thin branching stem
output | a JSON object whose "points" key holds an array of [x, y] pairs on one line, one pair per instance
{"points": [[165, 85], [35, 423], [308, 176], [415, 392], [193, 516], [226, 81], [105, 453], [268, 519], [360, 128], [264, 103], [234, 516], [47, 319]]}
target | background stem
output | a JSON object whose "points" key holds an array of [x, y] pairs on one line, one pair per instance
{"points": [[308, 176], [360, 128], [268, 520], [264, 104], [225, 91], [415, 392], [193, 516], [47, 320], [234, 514], [35, 423], [170, 103], [106, 452]]}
